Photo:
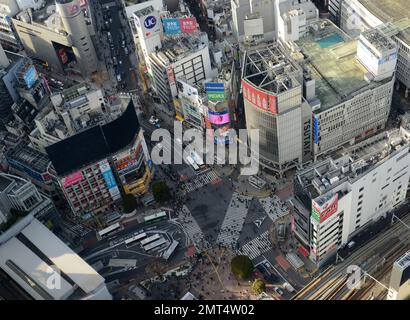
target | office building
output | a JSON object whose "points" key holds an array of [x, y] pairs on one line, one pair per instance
{"points": [[180, 57], [21, 196], [101, 162], [348, 83], [272, 94], [37, 265], [337, 198], [392, 17], [400, 279], [8, 37], [59, 36]]}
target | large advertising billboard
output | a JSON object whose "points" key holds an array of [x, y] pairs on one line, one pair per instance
{"points": [[30, 77], [171, 26], [188, 25], [215, 91], [259, 98], [129, 160], [109, 179], [316, 129], [72, 179], [218, 118], [322, 212]]}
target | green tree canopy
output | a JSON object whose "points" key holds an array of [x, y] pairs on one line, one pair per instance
{"points": [[161, 191], [241, 267], [129, 203], [258, 286]]}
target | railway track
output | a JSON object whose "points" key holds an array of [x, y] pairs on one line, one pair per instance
{"points": [[331, 284]]}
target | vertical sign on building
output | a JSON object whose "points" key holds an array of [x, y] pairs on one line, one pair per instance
{"points": [[109, 179], [315, 129], [172, 82]]}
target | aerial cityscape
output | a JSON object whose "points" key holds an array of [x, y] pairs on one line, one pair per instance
{"points": [[231, 150]]}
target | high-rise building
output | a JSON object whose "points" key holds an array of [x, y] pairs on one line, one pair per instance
{"points": [[348, 83], [273, 102], [8, 36], [339, 197], [58, 35], [101, 162]]}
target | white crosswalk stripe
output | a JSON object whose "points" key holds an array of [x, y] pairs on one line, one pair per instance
{"points": [[192, 229], [233, 221], [200, 181], [257, 246], [274, 207]]}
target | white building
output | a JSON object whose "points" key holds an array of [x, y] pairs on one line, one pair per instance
{"points": [[348, 83], [186, 56], [39, 263], [272, 88], [276, 17], [392, 17], [337, 198]]}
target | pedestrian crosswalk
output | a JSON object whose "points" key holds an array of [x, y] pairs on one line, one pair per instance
{"points": [[233, 221], [200, 181], [257, 246], [274, 207], [192, 229]]}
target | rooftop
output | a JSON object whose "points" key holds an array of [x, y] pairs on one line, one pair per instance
{"points": [[269, 68], [388, 10], [178, 47], [351, 163], [330, 56], [30, 157]]}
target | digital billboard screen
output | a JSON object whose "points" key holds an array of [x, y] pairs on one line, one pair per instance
{"points": [[171, 26], [30, 77], [188, 25], [259, 98], [72, 179], [218, 118]]}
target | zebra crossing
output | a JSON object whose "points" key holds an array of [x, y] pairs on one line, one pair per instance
{"points": [[257, 246], [274, 207], [200, 181], [233, 221], [192, 229]]}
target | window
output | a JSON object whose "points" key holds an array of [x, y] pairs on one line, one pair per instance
{"points": [[361, 189]]}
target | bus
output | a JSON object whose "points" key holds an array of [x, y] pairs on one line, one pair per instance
{"points": [[155, 244], [109, 230], [167, 254], [192, 163], [150, 239], [159, 216], [138, 237]]}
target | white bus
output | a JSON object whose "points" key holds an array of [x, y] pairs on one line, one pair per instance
{"points": [[150, 239], [155, 244], [167, 254], [109, 230], [192, 163], [138, 237]]}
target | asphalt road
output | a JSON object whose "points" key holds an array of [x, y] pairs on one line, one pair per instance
{"points": [[115, 20]]}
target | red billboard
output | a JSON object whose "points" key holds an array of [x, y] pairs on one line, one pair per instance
{"points": [[188, 25], [72, 179], [321, 213], [63, 55], [259, 98]]}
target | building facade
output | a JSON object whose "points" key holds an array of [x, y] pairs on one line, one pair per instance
{"points": [[337, 198]]}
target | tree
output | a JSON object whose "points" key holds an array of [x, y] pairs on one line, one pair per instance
{"points": [[129, 203], [161, 191], [241, 267], [258, 286]]}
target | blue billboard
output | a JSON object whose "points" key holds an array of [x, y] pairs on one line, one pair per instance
{"points": [[316, 130], [171, 26], [109, 179], [214, 87], [30, 77]]}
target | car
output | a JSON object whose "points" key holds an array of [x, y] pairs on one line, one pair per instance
{"points": [[178, 140], [120, 62], [118, 77], [125, 50], [279, 291]]}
